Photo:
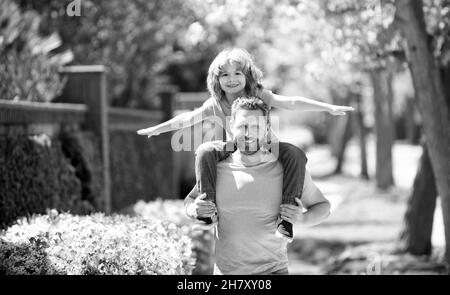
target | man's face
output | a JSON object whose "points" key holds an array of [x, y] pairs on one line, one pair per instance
{"points": [[249, 130]]}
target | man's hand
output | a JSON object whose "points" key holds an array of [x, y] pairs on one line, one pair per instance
{"points": [[148, 131], [340, 110], [292, 213], [201, 208]]}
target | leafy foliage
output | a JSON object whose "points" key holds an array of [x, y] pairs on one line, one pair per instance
{"points": [[35, 175], [140, 168], [134, 39], [81, 148], [145, 43], [437, 20], [95, 244], [28, 70], [303, 46], [202, 237]]}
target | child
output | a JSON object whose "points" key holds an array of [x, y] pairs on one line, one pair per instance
{"points": [[233, 74]]}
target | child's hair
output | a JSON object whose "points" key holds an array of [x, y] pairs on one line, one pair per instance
{"points": [[249, 103], [243, 61]]}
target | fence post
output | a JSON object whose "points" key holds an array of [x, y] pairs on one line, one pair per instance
{"points": [[167, 94], [88, 85]]}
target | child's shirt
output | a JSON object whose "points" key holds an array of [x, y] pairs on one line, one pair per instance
{"points": [[219, 114]]}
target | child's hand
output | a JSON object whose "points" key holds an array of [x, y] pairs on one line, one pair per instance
{"points": [[201, 208], [148, 131], [340, 110], [292, 213]]}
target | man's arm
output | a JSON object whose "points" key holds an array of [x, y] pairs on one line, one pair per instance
{"points": [[316, 205], [316, 214]]}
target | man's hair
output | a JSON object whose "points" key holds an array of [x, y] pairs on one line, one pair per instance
{"points": [[249, 103]]}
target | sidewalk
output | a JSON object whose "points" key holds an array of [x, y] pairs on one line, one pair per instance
{"points": [[362, 218]]}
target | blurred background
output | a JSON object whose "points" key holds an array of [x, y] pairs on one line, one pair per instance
{"points": [[79, 78]]}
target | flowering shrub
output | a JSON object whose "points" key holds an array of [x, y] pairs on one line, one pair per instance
{"points": [[95, 244], [202, 237]]}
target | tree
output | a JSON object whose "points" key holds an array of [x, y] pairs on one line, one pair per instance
{"points": [[135, 40], [28, 62], [382, 87], [415, 236], [430, 98], [365, 27]]}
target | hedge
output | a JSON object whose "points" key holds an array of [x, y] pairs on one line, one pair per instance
{"points": [[95, 244], [141, 168], [82, 149], [173, 211], [35, 175]]}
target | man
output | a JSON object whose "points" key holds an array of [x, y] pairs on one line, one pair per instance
{"points": [[248, 198]]}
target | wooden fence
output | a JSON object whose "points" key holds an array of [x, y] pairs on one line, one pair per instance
{"points": [[84, 103]]}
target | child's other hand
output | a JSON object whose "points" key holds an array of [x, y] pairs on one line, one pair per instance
{"points": [[148, 131], [292, 213], [340, 110]]}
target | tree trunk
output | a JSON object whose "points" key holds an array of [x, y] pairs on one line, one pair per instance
{"points": [[445, 76], [362, 136], [430, 98], [384, 127], [410, 124], [346, 135], [336, 131], [415, 236]]}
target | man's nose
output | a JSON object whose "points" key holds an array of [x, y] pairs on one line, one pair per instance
{"points": [[246, 132]]}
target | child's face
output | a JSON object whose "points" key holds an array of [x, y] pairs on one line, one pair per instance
{"points": [[232, 80]]}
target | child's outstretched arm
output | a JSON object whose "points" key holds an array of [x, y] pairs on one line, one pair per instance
{"points": [[177, 122], [305, 104]]}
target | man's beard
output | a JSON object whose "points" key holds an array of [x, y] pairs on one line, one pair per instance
{"points": [[249, 148]]}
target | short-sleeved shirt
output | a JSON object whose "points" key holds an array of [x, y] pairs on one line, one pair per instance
{"points": [[248, 199], [219, 113]]}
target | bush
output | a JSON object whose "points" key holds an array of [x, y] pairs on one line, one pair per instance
{"points": [[141, 169], [202, 237], [96, 244], [35, 175], [82, 149]]}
